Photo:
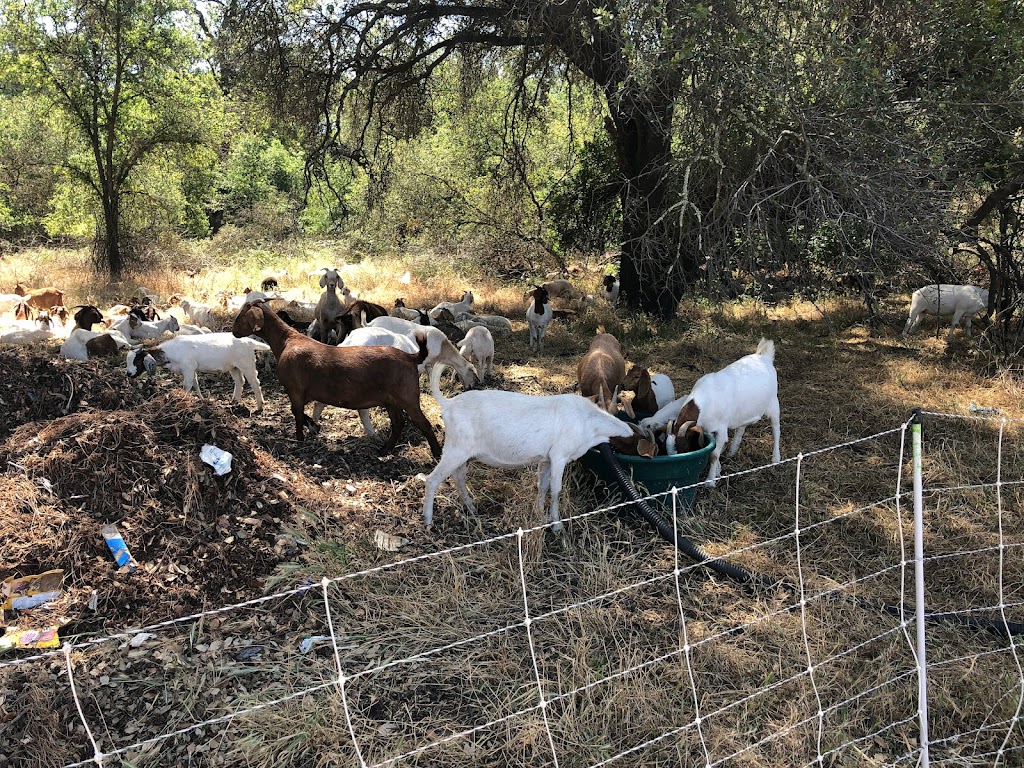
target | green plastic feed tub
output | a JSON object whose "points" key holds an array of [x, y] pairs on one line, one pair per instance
{"points": [[651, 476]]}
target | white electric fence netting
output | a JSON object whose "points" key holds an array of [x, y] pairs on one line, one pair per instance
{"points": [[604, 667]]}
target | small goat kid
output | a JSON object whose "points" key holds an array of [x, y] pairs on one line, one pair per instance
{"points": [[735, 397], [509, 429], [346, 377], [944, 300]]}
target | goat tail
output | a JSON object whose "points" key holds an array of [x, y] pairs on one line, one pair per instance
{"points": [[435, 383], [421, 340], [766, 347]]}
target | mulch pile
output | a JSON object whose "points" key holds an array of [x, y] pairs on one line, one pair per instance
{"points": [[199, 540]]}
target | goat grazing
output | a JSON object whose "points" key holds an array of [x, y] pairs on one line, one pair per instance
{"points": [[601, 371], [346, 377], [205, 353], [944, 300], [735, 397], [610, 289], [537, 317], [478, 348], [439, 348], [509, 429]]}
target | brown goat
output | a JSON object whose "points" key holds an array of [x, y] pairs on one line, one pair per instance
{"points": [[40, 298], [638, 380], [601, 371], [346, 377]]}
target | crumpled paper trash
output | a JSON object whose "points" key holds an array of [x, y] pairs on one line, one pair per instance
{"points": [[216, 458]]}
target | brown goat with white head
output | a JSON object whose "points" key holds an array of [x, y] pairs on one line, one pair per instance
{"points": [[346, 377], [601, 371]]}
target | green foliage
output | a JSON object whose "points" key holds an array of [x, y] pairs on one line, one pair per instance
{"points": [[585, 211]]}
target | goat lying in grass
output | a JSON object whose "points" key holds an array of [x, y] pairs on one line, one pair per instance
{"points": [[346, 377], [735, 397], [509, 429]]}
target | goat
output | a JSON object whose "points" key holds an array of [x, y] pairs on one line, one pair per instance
{"points": [[735, 397], [415, 315], [610, 289], [364, 311], [346, 377], [40, 330], [493, 323], [40, 298], [445, 322], [653, 391], [439, 347], [329, 308], [134, 328], [23, 311], [87, 316], [537, 317], [206, 353], [557, 289], [455, 307], [8, 301], [601, 371], [198, 314], [509, 429], [478, 348], [144, 310], [83, 344], [944, 300]]}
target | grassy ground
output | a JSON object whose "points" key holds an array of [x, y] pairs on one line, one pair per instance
{"points": [[605, 595]]}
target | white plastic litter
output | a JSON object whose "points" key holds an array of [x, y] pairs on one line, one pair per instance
{"points": [[216, 458]]}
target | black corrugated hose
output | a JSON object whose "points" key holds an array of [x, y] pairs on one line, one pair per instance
{"points": [[663, 525]]}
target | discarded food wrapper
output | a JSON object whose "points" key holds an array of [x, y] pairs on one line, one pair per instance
{"points": [[29, 638], [24, 592], [216, 458], [118, 548], [388, 541], [307, 643]]}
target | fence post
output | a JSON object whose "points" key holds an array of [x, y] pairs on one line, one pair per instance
{"points": [[922, 664]]}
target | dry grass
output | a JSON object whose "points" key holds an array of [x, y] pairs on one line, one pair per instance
{"points": [[746, 662]]}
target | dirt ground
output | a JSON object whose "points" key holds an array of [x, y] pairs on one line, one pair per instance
{"points": [[82, 446]]}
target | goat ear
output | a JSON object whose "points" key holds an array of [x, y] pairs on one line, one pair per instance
{"points": [[627, 406], [149, 363], [646, 448], [133, 321], [323, 280], [257, 319]]}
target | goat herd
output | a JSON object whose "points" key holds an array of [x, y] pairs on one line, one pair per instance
{"points": [[351, 353]]}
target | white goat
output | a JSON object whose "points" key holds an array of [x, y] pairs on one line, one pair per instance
{"points": [[74, 347], [31, 331], [439, 348], [509, 429], [133, 328], [198, 314], [945, 300], [538, 316], [207, 353], [735, 397], [455, 307], [478, 348], [494, 323]]}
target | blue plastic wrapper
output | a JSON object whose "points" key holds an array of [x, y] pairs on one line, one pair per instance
{"points": [[118, 548]]}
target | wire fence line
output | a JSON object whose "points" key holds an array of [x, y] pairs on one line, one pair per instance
{"points": [[549, 694]]}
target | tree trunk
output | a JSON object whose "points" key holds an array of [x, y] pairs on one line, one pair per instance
{"points": [[112, 233], [653, 272]]}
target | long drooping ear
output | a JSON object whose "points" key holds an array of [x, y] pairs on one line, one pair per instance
{"points": [[257, 318], [646, 448], [323, 280], [133, 321], [148, 363]]}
